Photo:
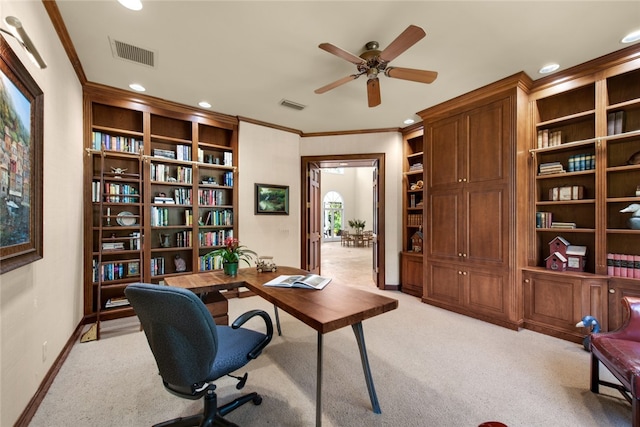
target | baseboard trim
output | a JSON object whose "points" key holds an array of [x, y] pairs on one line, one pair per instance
{"points": [[41, 392]]}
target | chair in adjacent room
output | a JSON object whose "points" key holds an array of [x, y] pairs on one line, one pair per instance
{"points": [[619, 352], [191, 351]]}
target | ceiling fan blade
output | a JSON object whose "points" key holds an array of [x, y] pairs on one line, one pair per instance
{"points": [[337, 83], [420, 76], [373, 92], [404, 41], [335, 50]]}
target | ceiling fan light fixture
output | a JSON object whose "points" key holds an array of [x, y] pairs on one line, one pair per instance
{"points": [[549, 68], [631, 37]]}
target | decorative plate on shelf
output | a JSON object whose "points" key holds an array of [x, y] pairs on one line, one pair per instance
{"points": [[126, 219]]}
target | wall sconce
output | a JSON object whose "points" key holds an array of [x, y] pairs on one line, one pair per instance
{"points": [[21, 35]]}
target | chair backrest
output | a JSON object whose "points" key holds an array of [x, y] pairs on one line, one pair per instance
{"points": [[180, 331]]}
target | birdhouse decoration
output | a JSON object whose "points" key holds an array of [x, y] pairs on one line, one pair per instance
{"points": [[416, 241], [576, 257], [557, 259], [556, 262], [560, 245]]}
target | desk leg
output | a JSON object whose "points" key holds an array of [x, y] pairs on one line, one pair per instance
{"points": [[357, 330], [319, 383]]}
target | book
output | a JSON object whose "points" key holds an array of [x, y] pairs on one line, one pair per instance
{"points": [[310, 281]]}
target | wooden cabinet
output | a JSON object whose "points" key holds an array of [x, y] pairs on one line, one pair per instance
{"points": [[594, 116], [412, 211], [411, 273], [160, 193], [473, 159], [555, 302]]}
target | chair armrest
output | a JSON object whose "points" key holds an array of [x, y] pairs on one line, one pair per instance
{"points": [[243, 318]]}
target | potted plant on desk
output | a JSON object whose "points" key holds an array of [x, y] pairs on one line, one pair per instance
{"points": [[232, 253]]}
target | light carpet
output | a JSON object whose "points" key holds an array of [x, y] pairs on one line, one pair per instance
{"points": [[430, 367]]}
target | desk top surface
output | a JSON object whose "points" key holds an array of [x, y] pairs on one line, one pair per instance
{"points": [[326, 310]]}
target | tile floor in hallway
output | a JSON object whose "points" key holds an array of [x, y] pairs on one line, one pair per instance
{"points": [[350, 264]]}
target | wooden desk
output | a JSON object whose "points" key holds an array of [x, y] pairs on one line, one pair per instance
{"points": [[334, 307]]}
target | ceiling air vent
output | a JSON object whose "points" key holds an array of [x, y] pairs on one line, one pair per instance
{"points": [[291, 104], [132, 53]]}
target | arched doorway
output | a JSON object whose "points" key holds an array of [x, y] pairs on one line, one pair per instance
{"points": [[333, 216]]}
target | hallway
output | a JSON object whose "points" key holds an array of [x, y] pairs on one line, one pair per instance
{"points": [[350, 264]]}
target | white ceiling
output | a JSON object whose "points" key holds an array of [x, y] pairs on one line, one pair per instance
{"points": [[244, 57]]}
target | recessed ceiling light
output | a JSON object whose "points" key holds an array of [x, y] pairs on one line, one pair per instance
{"points": [[409, 121], [631, 37], [204, 104], [137, 87], [549, 68], [131, 4]]}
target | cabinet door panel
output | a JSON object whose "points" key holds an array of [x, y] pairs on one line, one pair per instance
{"points": [[486, 292], [550, 300], [412, 274], [444, 283], [444, 152], [487, 143], [443, 230], [487, 226]]}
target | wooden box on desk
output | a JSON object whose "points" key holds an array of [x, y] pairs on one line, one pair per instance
{"points": [[218, 307]]}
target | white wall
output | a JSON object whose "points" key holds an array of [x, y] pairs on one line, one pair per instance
{"points": [[42, 302], [269, 156], [391, 145]]}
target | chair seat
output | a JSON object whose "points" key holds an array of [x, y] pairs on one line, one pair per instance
{"points": [[621, 357], [233, 347]]}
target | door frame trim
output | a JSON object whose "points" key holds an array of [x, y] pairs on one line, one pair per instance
{"points": [[378, 162]]}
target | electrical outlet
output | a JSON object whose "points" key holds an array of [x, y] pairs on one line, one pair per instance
{"points": [[44, 351]]}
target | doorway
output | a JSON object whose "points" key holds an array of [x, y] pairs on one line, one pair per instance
{"points": [[312, 209], [332, 223]]}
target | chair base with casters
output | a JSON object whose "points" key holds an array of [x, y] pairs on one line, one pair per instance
{"points": [[191, 351], [619, 352]]}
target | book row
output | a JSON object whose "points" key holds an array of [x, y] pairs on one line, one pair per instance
{"points": [[211, 197], [581, 162], [414, 220], [615, 123], [115, 193], [548, 138], [623, 265], [218, 217], [161, 172], [160, 217], [114, 270], [545, 220], [214, 238], [125, 144]]}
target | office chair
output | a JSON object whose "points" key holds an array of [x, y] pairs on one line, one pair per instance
{"points": [[191, 351]]}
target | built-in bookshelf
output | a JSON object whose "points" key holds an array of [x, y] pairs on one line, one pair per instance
{"points": [[581, 186], [412, 218], [160, 191]]}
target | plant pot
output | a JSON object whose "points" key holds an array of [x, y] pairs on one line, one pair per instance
{"points": [[230, 268]]}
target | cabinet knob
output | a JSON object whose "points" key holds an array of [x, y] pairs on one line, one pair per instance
{"points": [[459, 272], [464, 255], [464, 179], [464, 273], [459, 254], [526, 280], [459, 179], [612, 291]]}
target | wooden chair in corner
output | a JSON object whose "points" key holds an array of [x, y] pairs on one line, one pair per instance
{"points": [[619, 352]]}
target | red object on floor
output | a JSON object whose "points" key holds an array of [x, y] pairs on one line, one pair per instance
{"points": [[492, 424]]}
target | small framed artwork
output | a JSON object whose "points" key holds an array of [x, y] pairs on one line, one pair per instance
{"points": [[21, 135], [272, 199]]}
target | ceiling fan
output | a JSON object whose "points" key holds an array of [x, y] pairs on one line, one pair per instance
{"points": [[373, 62]]}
